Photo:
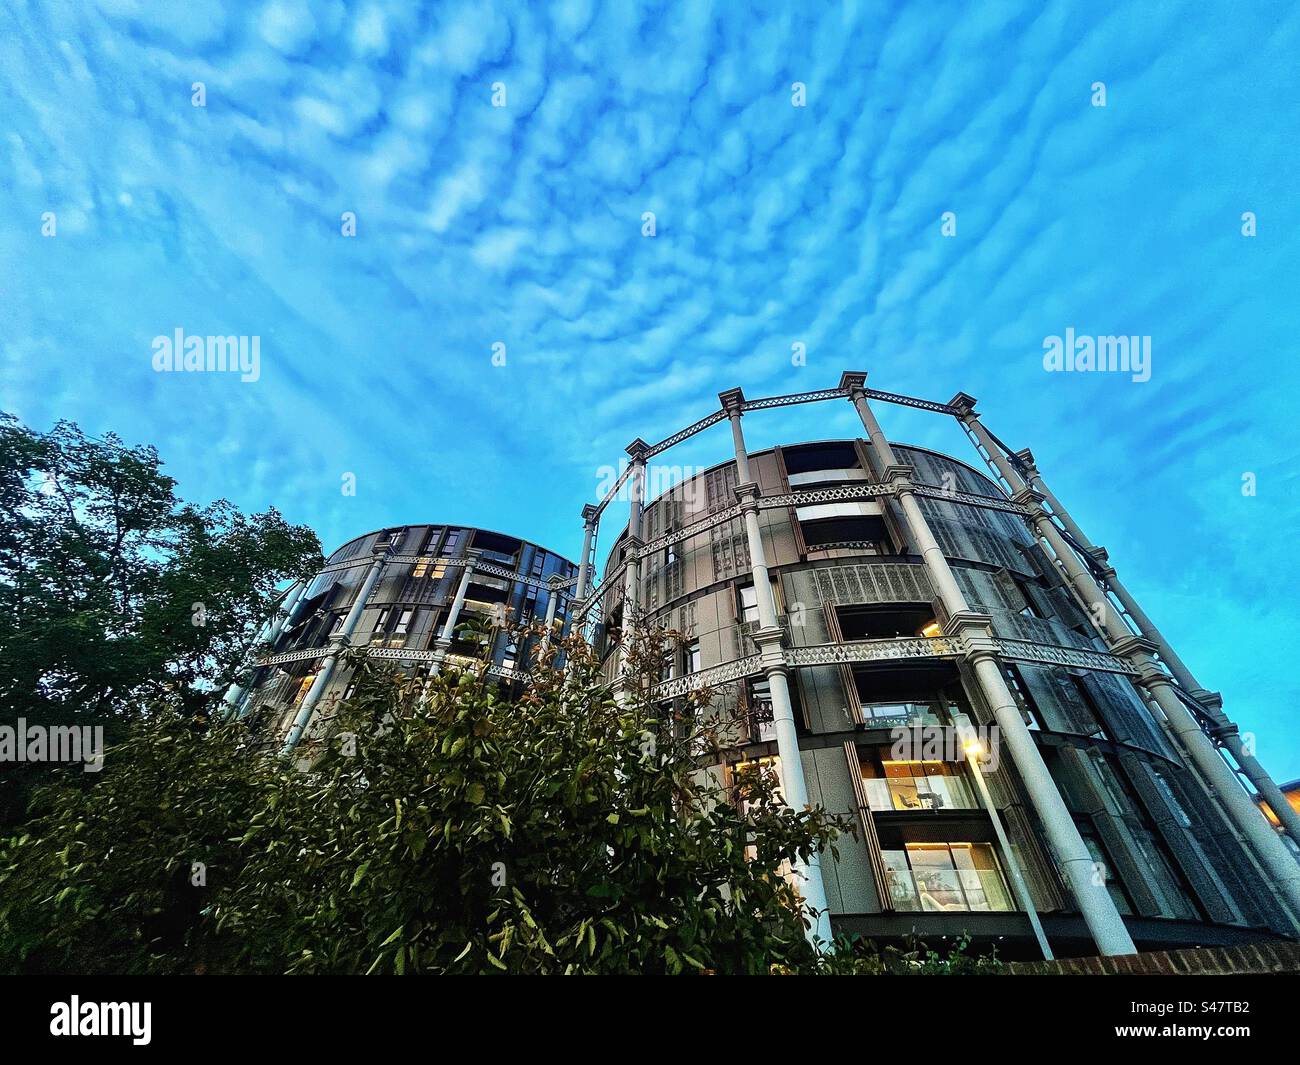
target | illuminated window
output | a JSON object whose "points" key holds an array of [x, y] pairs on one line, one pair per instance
{"points": [[429, 567], [945, 876], [304, 686], [914, 785]]}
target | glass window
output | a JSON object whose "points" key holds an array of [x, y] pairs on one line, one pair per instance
{"points": [[895, 713], [748, 603], [762, 729], [693, 656], [1102, 866], [946, 876], [899, 785]]}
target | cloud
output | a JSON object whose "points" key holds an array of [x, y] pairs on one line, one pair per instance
{"points": [[776, 224]]}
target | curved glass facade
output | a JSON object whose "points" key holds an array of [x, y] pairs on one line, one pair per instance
{"points": [[406, 611], [863, 629]]}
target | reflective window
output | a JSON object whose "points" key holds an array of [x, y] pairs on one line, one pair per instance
{"points": [[914, 785], [946, 876]]}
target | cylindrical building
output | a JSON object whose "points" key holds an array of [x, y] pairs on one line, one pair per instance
{"points": [[402, 593], [905, 588]]}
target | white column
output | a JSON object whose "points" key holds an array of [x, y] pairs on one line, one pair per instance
{"points": [[590, 520], [552, 604], [1226, 732], [632, 545], [794, 787], [443, 642], [338, 641], [1249, 819], [973, 631], [236, 696]]}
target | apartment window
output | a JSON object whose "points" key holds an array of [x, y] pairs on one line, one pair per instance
{"points": [[670, 555], [430, 568], [945, 876], [304, 686], [693, 656], [748, 604], [738, 771], [858, 525], [403, 623], [381, 620], [667, 665], [762, 728], [892, 784]]}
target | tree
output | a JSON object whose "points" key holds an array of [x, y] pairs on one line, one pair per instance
{"points": [[446, 828], [114, 595]]}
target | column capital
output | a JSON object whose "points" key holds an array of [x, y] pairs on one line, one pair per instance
{"points": [[732, 400], [964, 404], [590, 512], [853, 381], [974, 631], [899, 474], [637, 449], [380, 552], [1026, 458], [747, 495], [771, 641], [632, 544], [555, 581], [1031, 500], [1212, 700]]}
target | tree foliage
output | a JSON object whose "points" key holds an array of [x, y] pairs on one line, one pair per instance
{"points": [[446, 829], [114, 595]]}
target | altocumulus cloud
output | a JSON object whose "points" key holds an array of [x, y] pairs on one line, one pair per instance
{"points": [[774, 225]]}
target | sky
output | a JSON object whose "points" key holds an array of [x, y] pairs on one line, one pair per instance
{"points": [[923, 191]]}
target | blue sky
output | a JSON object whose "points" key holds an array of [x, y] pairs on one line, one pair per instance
{"points": [[775, 225]]}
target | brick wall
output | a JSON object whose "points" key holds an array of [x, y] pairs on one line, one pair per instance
{"points": [[1276, 957]]}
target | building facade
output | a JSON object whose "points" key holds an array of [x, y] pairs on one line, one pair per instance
{"points": [[861, 612], [849, 601], [408, 594]]}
